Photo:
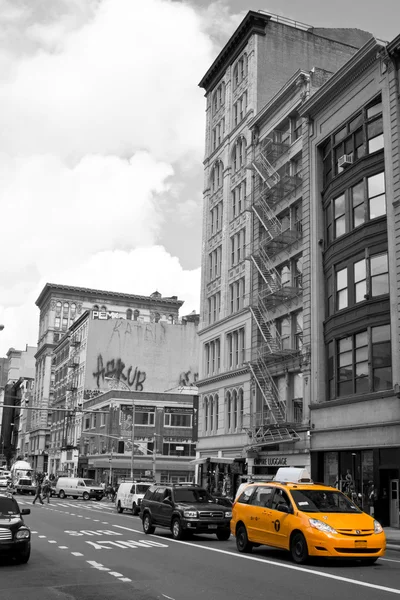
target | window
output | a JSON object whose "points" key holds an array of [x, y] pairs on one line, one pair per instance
{"points": [[363, 362], [236, 348], [129, 314], [136, 314], [238, 247], [218, 98], [240, 109], [145, 418], [216, 178], [360, 203], [217, 134], [362, 134], [214, 305], [237, 295], [238, 196], [362, 279], [341, 289], [240, 71], [212, 351], [214, 262], [239, 154], [216, 218], [177, 419], [216, 411]]}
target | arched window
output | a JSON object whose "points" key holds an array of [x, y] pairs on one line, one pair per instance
{"points": [[206, 414], [104, 308], [218, 98], [65, 309], [96, 307], [229, 410], [73, 311], [216, 180], [211, 405], [240, 70], [216, 412], [171, 319], [157, 317], [136, 314], [129, 314], [239, 154], [240, 409], [235, 410], [58, 308]]}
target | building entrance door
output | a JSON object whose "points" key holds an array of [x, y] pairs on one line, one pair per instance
{"points": [[394, 503]]}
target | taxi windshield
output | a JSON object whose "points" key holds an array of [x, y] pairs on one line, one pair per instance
{"points": [[8, 507], [323, 501]]}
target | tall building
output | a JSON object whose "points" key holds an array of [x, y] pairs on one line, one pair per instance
{"points": [[351, 281], [60, 306], [252, 414], [97, 355]]}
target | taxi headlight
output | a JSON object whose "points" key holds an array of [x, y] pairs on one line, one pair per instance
{"points": [[321, 526], [190, 514], [228, 514], [377, 527], [22, 534]]}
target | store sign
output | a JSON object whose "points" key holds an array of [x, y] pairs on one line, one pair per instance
{"points": [[104, 315], [272, 461], [178, 409]]}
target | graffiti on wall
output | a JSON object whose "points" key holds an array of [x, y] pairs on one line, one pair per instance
{"points": [[116, 369], [188, 378]]}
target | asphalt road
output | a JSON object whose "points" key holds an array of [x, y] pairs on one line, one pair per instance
{"points": [[87, 551]]}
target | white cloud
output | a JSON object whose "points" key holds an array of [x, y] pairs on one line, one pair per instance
{"points": [[102, 132]]}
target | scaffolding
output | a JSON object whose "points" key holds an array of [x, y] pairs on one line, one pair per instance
{"points": [[271, 424]]}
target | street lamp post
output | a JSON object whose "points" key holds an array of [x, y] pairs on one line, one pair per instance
{"points": [[133, 439]]}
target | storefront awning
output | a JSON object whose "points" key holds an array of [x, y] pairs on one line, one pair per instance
{"points": [[220, 460]]}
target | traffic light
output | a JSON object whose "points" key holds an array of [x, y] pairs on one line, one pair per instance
{"points": [[121, 447]]}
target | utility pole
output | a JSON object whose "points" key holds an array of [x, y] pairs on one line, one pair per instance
{"points": [[110, 460], [133, 438]]}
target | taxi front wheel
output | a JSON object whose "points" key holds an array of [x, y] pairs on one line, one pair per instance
{"points": [[298, 548], [242, 541]]}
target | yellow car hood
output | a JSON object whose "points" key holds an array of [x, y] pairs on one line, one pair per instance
{"points": [[345, 520]]}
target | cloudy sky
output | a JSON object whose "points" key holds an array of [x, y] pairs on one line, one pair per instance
{"points": [[102, 140]]}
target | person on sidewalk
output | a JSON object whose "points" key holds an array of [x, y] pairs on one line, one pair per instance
{"points": [[38, 493], [47, 490]]}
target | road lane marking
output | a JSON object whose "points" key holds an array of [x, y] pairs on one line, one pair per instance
{"points": [[63, 547], [115, 573], [42, 536], [125, 579], [390, 560], [169, 597], [281, 565], [98, 566], [104, 523], [52, 541], [77, 553]]}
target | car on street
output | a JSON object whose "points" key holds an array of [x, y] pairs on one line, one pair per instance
{"points": [[15, 536], [305, 518], [130, 495], [4, 481], [184, 509]]}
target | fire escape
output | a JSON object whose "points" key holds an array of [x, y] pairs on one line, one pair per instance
{"points": [[271, 426]]}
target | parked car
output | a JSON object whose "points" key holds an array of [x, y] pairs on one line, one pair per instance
{"points": [[77, 487], [130, 494], [305, 518], [15, 538], [4, 481], [184, 509]]}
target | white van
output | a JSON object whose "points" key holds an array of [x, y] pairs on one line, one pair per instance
{"points": [[130, 494], [78, 488]]}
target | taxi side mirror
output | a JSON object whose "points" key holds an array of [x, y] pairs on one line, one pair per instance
{"points": [[284, 508]]}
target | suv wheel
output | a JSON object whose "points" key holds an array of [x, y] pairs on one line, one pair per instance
{"points": [[135, 509], [119, 507], [223, 534], [242, 541], [148, 527], [176, 528]]}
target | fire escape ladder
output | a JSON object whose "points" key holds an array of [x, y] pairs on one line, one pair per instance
{"points": [[270, 341], [270, 394], [266, 171]]}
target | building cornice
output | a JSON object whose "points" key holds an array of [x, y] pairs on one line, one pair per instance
{"points": [[50, 288], [253, 23], [222, 376], [340, 80]]}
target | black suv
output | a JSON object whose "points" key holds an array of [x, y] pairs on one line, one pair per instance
{"points": [[15, 536], [184, 508]]}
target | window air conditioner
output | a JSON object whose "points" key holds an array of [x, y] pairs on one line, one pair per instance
{"points": [[345, 161]]}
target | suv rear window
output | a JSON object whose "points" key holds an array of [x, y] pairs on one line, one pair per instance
{"points": [[192, 495], [8, 506]]}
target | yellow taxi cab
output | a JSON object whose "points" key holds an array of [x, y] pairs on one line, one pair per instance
{"points": [[307, 519]]}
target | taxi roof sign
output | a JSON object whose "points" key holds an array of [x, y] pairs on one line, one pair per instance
{"points": [[293, 475]]}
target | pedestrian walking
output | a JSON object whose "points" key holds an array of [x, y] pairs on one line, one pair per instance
{"points": [[38, 495], [46, 490]]}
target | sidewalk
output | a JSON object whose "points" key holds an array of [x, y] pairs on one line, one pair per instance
{"points": [[392, 538]]}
